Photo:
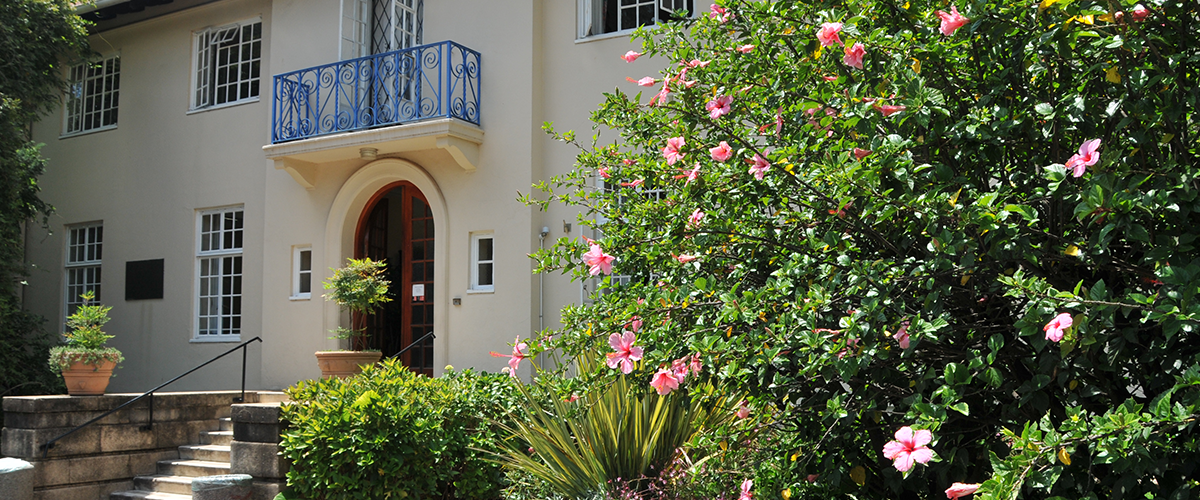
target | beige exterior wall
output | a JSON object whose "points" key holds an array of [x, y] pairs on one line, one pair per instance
{"points": [[147, 179]]}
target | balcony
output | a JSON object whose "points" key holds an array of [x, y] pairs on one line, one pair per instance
{"points": [[438, 80], [420, 98]]}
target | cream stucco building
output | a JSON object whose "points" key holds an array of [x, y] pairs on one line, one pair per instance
{"points": [[221, 155]]}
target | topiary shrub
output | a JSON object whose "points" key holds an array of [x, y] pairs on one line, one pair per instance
{"points": [[391, 433]]}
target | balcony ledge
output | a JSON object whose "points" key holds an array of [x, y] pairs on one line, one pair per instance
{"points": [[302, 159]]}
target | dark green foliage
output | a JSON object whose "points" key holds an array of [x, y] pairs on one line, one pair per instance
{"points": [[36, 37], [390, 433]]}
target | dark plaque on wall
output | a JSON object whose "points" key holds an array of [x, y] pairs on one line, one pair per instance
{"points": [[144, 279]]}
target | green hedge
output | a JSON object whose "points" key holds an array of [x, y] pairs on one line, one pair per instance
{"points": [[390, 433]]}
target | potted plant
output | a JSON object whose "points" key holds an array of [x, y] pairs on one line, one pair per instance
{"points": [[360, 288], [85, 363]]}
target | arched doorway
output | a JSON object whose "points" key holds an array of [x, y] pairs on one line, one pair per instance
{"points": [[397, 227]]}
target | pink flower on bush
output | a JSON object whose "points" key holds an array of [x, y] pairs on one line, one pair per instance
{"points": [[695, 218], [598, 261], [828, 34], [635, 323], [1140, 13], [745, 49], [721, 152], [1054, 329], [1086, 157], [901, 335], [861, 153], [909, 447], [958, 490], [719, 107], [889, 110], [746, 495], [951, 21], [854, 55], [719, 13], [664, 381], [624, 352], [646, 81], [695, 364], [603, 171], [631, 56], [692, 174], [671, 152], [743, 410], [514, 359], [759, 167], [634, 183], [684, 258], [696, 63]]}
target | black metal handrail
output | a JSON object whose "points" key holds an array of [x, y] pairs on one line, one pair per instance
{"points": [[149, 424], [413, 344]]}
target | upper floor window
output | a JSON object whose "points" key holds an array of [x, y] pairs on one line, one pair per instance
{"points": [[219, 272], [85, 249], [598, 17], [226, 62], [92, 96], [377, 26]]}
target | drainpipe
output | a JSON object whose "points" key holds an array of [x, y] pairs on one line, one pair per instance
{"points": [[542, 282]]}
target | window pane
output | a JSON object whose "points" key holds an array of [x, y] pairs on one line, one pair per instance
{"points": [[485, 249], [485, 274], [306, 260]]}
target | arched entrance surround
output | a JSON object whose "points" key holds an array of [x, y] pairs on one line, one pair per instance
{"points": [[344, 217]]}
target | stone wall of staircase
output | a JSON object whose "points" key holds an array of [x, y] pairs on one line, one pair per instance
{"points": [[105, 457]]}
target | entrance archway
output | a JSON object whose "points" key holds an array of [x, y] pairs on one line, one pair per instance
{"points": [[397, 227], [351, 208]]}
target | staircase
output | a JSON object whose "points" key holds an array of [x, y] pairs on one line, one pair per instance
{"points": [[173, 480]]}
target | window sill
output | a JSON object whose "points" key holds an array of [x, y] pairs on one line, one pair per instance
{"points": [[479, 291], [296, 298], [251, 100], [225, 339], [606, 36], [87, 132]]}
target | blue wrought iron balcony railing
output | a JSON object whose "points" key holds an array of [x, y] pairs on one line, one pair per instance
{"points": [[437, 80]]}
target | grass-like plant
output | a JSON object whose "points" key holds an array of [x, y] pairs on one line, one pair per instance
{"points": [[85, 340], [360, 288]]}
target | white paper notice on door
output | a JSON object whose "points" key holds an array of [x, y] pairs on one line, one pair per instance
{"points": [[418, 294]]}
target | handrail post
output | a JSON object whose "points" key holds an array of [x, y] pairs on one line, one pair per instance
{"points": [[150, 423], [243, 398]]}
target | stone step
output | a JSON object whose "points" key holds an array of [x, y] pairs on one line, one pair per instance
{"points": [[192, 468], [226, 424], [147, 495], [206, 452], [164, 484], [220, 438]]}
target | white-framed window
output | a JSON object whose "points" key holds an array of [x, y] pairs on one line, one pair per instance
{"points": [[92, 96], [226, 62], [219, 274], [482, 262], [85, 249], [377, 26], [301, 272], [600, 17]]}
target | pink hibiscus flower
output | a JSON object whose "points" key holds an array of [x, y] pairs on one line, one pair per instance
{"points": [[746, 495], [889, 110], [696, 63], [909, 447], [598, 261], [646, 81], [745, 49], [671, 152], [603, 171], [719, 13], [631, 56], [719, 107], [684, 258], [743, 410], [721, 152], [1054, 329], [958, 490], [692, 174], [828, 34], [951, 21], [664, 381], [854, 55], [1086, 157], [514, 359], [759, 167], [695, 218], [861, 153], [1140, 13], [901, 335], [625, 353]]}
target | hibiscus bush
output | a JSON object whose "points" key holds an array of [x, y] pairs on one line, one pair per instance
{"points": [[944, 248]]}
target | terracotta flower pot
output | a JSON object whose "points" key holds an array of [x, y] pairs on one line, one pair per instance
{"points": [[342, 364], [86, 379]]}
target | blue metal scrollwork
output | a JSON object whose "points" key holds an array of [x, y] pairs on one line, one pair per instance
{"points": [[437, 80]]}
